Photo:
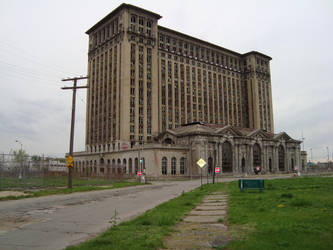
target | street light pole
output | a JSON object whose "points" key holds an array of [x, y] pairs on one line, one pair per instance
{"points": [[21, 158], [20, 143]]}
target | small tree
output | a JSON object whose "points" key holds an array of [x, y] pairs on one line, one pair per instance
{"points": [[36, 158], [20, 155]]}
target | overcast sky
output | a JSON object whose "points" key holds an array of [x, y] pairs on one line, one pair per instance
{"points": [[43, 41]]}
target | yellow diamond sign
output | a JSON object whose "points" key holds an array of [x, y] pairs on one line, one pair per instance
{"points": [[70, 161], [201, 163]]}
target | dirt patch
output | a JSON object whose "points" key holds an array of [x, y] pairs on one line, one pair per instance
{"points": [[10, 222], [11, 193]]}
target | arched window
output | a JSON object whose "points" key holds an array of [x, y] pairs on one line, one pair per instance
{"points": [[124, 166], [136, 162], [256, 156], [130, 165], [101, 161], [164, 166], [168, 141], [182, 165], [226, 157], [119, 166], [173, 165], [113, 166], [281, 158]]}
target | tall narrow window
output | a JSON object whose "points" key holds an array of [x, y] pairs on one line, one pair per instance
{"points": [[164, 166], [173, 165], [182, 165]]}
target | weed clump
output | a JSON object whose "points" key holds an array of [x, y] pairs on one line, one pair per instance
{"points": [[287, 195]]}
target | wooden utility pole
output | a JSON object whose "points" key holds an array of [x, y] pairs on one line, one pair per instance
{"points": [[70, 160]]}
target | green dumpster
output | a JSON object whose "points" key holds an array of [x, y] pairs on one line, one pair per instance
{"points": [[251, 184]]}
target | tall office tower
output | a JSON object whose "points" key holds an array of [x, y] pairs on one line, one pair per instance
{"points": [[145, 79]]}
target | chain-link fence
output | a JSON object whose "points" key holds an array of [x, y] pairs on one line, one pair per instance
{"points": [[320, 168], [31, 173]]}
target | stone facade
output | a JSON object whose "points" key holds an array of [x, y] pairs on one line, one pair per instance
{"points": [[145, 79], [237, 151], [146, 82]]}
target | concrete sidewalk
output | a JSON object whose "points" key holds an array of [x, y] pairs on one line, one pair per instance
{"points": [[203, 227]]}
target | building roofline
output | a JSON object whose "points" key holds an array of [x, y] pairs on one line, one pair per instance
{"points": [[118, 9], [198, 40], [211, 44], [258, 53]]}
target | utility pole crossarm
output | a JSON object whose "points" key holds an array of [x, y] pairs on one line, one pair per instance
{"points": [[75, 78], [78, 87]]}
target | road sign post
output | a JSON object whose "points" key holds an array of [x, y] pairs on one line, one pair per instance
{"points": [[217, 171], [201, 163]]}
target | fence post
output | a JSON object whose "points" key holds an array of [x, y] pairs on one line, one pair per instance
{"points": [[1, 169], [43, 183]]}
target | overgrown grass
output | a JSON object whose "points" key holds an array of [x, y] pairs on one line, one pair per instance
{"points": [[9, 183], [148, 230], [54, 190], [290, 214]]}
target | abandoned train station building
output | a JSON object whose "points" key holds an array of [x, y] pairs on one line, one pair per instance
{"points": [[160, 100]]}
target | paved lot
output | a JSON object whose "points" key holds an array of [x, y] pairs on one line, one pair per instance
{"points": [[57, 221]]}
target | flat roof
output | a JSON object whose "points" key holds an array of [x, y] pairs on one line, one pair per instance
{"points": [[198, 40], [210, 44], [118, 9]]}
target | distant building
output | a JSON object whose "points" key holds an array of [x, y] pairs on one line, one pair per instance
{"points": [[56, 166], [304, 160], [147, 81]]}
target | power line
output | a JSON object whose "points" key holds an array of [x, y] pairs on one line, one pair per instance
{"points": [[21, 53]]}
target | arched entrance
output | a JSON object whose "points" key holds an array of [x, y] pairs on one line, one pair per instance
{"points": [[136, 165], [281, 158], [210, 165], [243, 165], [124, 166], [226, 157], [292, 164], [256, 157], [270, 164], [101, 162], [130, 166]]}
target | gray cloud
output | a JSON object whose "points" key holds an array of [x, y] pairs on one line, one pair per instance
{"points": [[44, 41]]}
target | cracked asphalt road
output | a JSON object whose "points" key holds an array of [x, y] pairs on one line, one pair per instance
{"points": [[57, 221]]}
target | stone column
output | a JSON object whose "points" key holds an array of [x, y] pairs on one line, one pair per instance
{"points": [[298, 158], [251, 159], [286, 159], [264, 155], [206, 159], [218, 155], [237, 158], [247, 159], [221, 152], [275, 159]]}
